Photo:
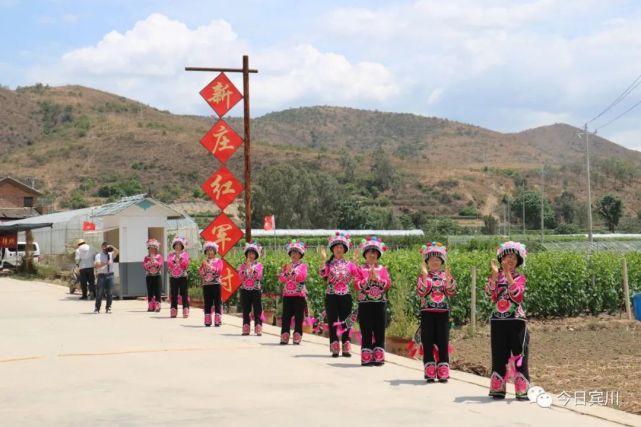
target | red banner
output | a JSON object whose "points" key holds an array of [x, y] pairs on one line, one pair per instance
{"points": [[224, 232], [221, 94], [222, 187], [229, 281], [88, 226], [9, 241], [221, 141], [269, 223]]}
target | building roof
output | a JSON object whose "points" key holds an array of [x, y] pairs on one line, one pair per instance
{"points": [[21, 184], [100, 211]]}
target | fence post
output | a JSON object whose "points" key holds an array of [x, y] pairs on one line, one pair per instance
{"points": [[626, 290], [473, 301]]}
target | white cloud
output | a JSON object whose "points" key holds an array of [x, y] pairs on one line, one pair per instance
{"points": [[147, 63], [499, 64]]}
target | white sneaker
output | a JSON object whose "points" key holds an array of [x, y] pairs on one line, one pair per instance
{"points": [[109, 310], [96, 312]]}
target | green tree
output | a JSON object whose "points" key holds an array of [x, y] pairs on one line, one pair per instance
{"points": [[565, 207], [383, 170], [610, 208], [532, 201], [490, 225]]}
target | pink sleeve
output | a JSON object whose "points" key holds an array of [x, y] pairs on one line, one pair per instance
{"points": [[450, 290], [517, 289], [219, 265], [159, 260], [184, 260], [324, 271], [201, 270], [384, 277], [352, 268], [301, 274], [423, 286], [360, 278], [145, 263], [281, 276], [259, 271]]}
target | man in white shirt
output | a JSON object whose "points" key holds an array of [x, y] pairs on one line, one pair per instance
{"points": [[85, 257], [104, 264]]}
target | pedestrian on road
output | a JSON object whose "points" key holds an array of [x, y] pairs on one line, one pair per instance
{"points": [[210, 270], [508, 323], [372, 282], [251, 273], [153, 263], [293, 276], [104, 263], [338, 273], [85, 257], [435, 286], [177, 263]]}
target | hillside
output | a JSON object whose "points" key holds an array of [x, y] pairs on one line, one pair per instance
{"points": [[84, 144]]}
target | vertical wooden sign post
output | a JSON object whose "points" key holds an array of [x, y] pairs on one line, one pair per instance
{"points": [[222, 186]]}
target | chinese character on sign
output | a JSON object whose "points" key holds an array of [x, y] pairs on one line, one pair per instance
{"points": [[221, 94], [230, 281], [224, 232], [222, 187], [221, 141]]}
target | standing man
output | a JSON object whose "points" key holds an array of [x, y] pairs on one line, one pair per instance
{"points": [[104, 267], [85, 262]]}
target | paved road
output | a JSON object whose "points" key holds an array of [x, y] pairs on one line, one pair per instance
{"points": [[61, 365]]}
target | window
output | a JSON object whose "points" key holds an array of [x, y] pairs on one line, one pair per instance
{"points": [[28, 202]]}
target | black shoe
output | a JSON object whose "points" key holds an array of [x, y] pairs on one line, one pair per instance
{"points": [[347, 354], [108, 310], [96, 311], [335, 354], [442, 380], [283, 343], [498, 396], [429, 380], [83, 297]]}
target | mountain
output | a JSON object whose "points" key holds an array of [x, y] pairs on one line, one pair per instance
{"points": [[83, 144]]}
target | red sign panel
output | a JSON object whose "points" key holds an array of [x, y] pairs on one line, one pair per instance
{"points": [[221, 141], [222, 187], [221, 94], [9, 241], [224, 232], [229, 281], [88, 226]]}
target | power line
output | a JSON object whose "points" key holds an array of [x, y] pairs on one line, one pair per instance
{"points": [[619, 98], [619, 116]]}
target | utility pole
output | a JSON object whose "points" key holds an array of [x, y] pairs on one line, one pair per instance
{"points": [[542, 201], [523, 205], [587, 168]]}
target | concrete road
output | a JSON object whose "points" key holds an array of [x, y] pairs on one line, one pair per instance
{"points": [[61, 365]]}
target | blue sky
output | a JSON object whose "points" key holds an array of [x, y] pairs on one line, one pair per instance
{"points": [[503, 65]]}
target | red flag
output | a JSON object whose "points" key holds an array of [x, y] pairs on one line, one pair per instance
{"points": [[88, 226], [270, 223]]}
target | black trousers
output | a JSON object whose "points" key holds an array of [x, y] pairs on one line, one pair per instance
{"points": [[179, 284], [509, 338], [87, 281], [371, 318], [435, 329], [338, 308], [251, 300], [293, 307], [211, 295], [153, 287]]}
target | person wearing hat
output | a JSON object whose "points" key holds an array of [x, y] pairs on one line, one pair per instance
{"points": [[210, 270], [104, 263], [177, 263], [251, 274], [372, 282], [153, 263], [293, 276], [85, 261], [338, 273], [508, 323], [434, 288]]}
